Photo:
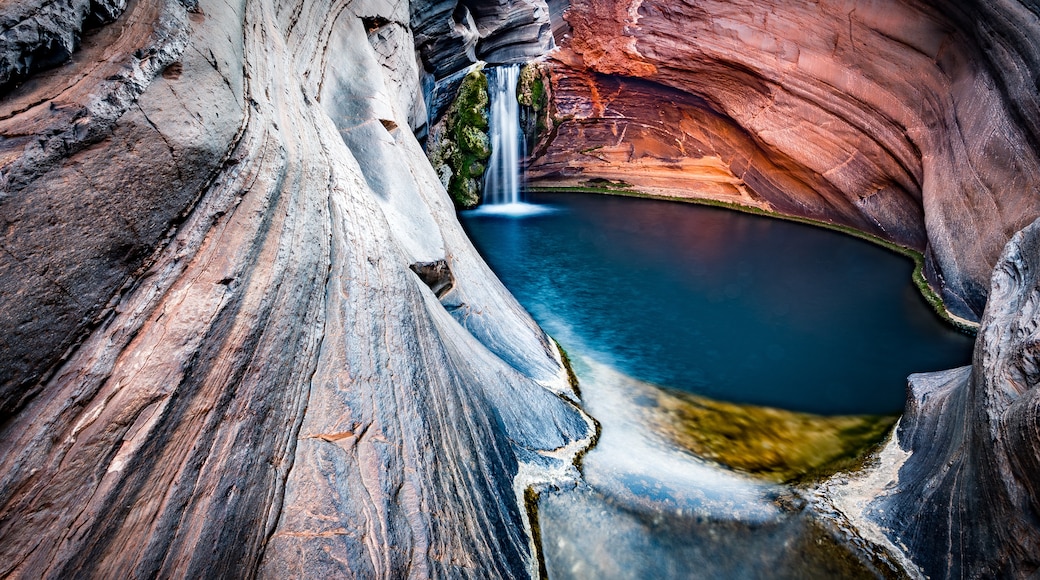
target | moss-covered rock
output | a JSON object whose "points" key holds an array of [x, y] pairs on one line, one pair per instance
{"points": [[530, 88], [459, 145], [533, 94], [474, 141], [779, 445]]}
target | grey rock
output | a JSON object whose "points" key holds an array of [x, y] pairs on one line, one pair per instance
{"points": [[218, 361], [452, 34], [967, 501], [39, 34]]}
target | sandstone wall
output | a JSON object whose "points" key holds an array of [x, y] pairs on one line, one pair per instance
{"points": [[243, 331], [912, 122]]}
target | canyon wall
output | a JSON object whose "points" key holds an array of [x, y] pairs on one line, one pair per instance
{"points": [[243, 333], [912, 122], [917, 122]]}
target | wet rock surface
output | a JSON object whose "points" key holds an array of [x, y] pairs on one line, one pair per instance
{"points": [[649, 508]]}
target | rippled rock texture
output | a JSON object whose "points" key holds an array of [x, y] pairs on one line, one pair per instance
{"points": [[243, 333], [967, 501], [451, 34], [912, 121]]}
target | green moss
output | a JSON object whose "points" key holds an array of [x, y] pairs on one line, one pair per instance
{"points": [[530, 88], [533, 94], [775, 444], [467, 147], [934, 300], [571, 377]]}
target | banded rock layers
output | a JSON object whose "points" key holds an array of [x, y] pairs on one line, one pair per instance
{"points": [[242, 332], [913, 121], [966, 503], [909, 121], [224, 354]]}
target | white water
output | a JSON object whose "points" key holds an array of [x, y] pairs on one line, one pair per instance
{"points": [[502, 180]]}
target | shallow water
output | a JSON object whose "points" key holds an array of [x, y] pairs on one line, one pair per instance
{"points": [[732, 306], [648, 509]]}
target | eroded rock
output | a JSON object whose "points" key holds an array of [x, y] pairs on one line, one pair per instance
{"points": [[217, 361], [967, 500], [906, 120]]}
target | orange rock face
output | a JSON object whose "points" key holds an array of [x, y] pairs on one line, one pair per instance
{"points": [[680, 147], [885, 117]]}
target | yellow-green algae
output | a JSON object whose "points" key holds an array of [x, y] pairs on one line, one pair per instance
{"points": [[775, 444]]}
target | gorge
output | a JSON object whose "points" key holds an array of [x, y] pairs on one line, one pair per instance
{"points": [[244, 333]]}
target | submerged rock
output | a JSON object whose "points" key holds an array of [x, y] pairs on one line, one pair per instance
{"points": [[776, 444]]}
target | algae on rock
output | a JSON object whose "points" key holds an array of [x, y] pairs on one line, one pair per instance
{"points": [[532, 92], [459, 143], [778, 445]]}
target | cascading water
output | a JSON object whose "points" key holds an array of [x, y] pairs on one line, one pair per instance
{"points": [[502, 180]]}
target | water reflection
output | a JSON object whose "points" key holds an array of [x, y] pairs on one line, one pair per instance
{"points": [[727, 305]]}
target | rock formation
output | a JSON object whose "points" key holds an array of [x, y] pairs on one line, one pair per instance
{"points": [[914, 121], [911, 121], [451, 34], [458, 145], [243, 332], [967, 500]]}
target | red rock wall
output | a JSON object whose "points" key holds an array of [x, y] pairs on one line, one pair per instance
{"points": [[885, 116]]}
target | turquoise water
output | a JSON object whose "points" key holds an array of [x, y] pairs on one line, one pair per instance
{"points": [[723, 304]]}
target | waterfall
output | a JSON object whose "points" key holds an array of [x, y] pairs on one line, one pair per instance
{"points": [[502, 180]]}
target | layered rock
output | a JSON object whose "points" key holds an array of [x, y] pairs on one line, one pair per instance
{"points": [[966, 503], [904, 120], [38, 34], [244, 332], [452, 36], [91, 185]]}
